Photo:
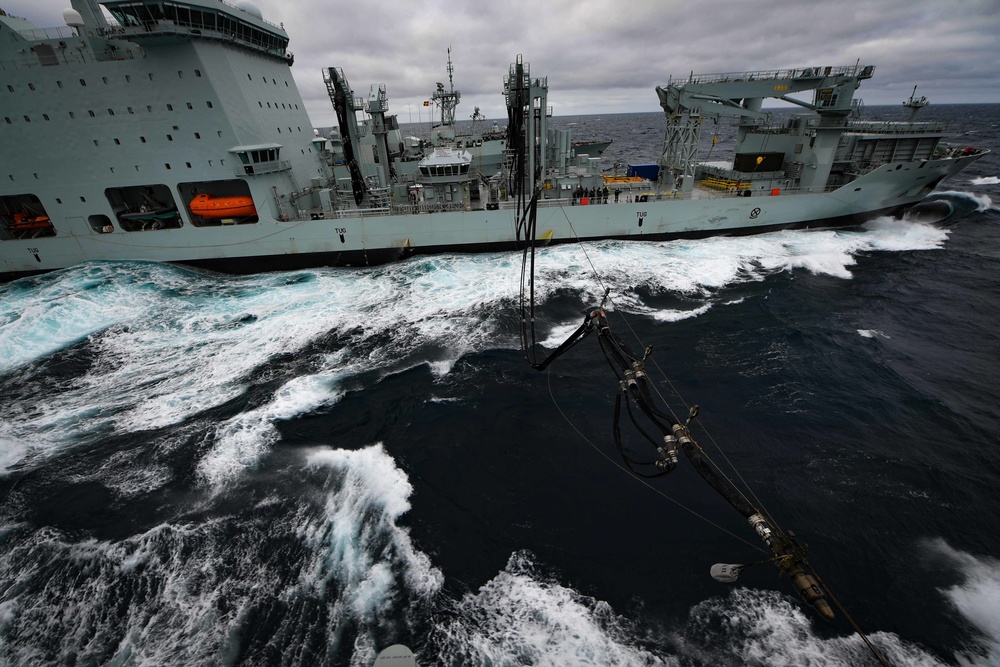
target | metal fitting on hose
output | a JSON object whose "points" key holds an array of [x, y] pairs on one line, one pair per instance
{"points": [[763, 528], [668, 454], [682, 435]]}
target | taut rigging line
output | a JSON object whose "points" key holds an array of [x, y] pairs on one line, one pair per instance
{"points": [[664, 432]]}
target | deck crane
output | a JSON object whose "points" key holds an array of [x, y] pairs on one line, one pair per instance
{"points": [[688, 102]]}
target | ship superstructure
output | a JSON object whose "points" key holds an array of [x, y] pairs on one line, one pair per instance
{"points": [[121, 125], [175, 132]]}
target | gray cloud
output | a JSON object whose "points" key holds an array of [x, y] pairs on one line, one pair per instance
{"points": [[603, 57]]}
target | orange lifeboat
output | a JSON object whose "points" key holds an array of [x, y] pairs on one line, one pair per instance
{"points": [[207, 206], [23, 221]]}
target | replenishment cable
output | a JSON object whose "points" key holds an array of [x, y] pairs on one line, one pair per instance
{"points": [[634, 384]]}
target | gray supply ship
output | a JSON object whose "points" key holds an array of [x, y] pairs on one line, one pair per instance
{"points": [[174, 132]]}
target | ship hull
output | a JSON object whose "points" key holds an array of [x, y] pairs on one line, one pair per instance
{"points": [[129, 134], [362, 241], [287, 262]]}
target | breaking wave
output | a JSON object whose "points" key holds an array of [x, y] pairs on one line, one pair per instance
{"points": [[158, 346], [525, 617], [986, 180], [961, 204], [329, 575], [290, 580]]}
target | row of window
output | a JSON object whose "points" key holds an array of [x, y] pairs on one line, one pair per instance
{"points": [[264, 79], [147, 16], [246, 157], [128, 79], [445, 170], [276, 105], [261, 155], [166, 165], [149, 108], [83, 82], [111, 112]]}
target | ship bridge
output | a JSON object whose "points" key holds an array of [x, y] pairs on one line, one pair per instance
{"points": [[242, 23]]}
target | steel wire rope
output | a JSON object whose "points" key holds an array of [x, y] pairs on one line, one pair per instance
{"points": [[757, 500], [847, 615], [607, 292], [548, 374], [666, 378], [854, 625]]}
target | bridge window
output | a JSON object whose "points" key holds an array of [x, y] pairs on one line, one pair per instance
{"points": [[136, 15], [260, 155]]}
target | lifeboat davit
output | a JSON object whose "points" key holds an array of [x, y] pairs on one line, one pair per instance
{"points": [[207, 206]]}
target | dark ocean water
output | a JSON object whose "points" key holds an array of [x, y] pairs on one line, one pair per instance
{"points": [[304, 468]]}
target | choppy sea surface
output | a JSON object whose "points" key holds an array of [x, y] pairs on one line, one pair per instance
{"points": [[304, 468]]}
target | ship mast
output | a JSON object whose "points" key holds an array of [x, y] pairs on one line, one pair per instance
{"points": [[915, 104], [446, 100]]}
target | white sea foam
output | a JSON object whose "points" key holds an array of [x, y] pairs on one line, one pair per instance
{"points": [[239, 442], [167, 344], [34, 323], [560, 333], [371, 480], [441, 399], [184, 594], [754, 627], [520, 618], [986, 180], [349, 550], [678, 315], [11, 454], [871, 333], [173, 358], [767, 628], [180, 594], [976, 598]]}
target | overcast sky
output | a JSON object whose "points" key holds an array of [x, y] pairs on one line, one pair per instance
{"points": [[605, 56]]}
